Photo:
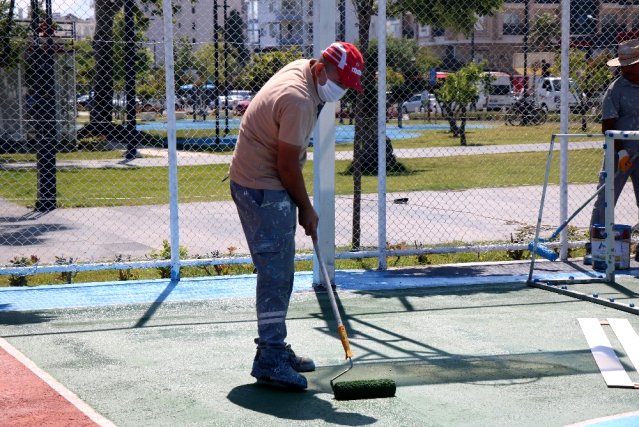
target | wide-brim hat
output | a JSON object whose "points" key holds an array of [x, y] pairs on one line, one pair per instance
{"points": [[627, 54], [349, 62]]}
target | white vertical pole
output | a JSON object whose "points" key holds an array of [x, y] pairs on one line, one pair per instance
{"points": [[169, 67], [381, 134], [563, 126], [324, 19], [609, 209]]}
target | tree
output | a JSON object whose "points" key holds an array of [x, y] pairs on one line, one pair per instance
{"points": [[459, 90], [460, 16], [13, 40], [234, 36], [545, 33], [204, 62], [101, 114], [264, 65]]}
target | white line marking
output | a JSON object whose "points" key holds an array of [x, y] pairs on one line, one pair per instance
{"points": [[628, 338], [62, 390], [611, 368]]}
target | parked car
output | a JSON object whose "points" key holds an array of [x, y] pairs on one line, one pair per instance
{"points": [[118, 102], [547, 94], [419, 102], [501, 94], [234, 97], [241, 107], [152, 105]]}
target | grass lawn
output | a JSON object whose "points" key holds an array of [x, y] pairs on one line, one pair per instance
{"points": [[143, 186]]}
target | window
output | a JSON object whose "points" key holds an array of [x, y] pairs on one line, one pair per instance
{"points": [[273, 29], [513, 25], [424, 31], [193, 25], [193, 10], [194, 41]]}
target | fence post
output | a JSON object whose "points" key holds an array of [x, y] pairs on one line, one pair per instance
{"points": [[381, 135], [563, 125], [169, 66]]}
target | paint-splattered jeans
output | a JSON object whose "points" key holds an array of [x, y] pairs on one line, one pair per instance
{"points": [[269, 219]]}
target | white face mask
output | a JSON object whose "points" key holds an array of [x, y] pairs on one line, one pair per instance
{"points": [[330, 92]]}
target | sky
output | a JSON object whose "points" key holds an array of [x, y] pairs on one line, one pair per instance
{"points": [[80, 8]]}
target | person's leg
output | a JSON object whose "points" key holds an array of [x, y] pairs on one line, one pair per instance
{"points": [[268, 218], [598, 211]]}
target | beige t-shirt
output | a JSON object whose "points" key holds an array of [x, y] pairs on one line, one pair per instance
{"points": [[284, 109]]}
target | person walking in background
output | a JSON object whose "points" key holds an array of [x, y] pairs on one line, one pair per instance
{"points": [[620, 111], [268, 188], [545, 68]]}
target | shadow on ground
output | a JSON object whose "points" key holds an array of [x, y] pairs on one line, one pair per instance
{"points": [[300, 406]]}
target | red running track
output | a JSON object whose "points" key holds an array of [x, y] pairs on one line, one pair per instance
{"points": [[31, 397]]}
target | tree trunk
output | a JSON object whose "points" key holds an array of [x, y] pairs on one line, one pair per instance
{"points": [[101, 114], [362, 128], [462, 128]]}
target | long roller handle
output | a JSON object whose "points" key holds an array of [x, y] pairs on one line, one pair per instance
{"points": [[341, 330]]}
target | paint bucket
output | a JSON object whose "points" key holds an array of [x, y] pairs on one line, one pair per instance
{"points": [[621, 250]]}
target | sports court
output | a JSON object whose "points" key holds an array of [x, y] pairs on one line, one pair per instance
{"points": [[466, 345]]}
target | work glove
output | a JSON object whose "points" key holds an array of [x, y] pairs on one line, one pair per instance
{"points": [[624, 161]]}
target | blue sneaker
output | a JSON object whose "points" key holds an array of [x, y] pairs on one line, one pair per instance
{"points": [[299, 363], [273, 368]]}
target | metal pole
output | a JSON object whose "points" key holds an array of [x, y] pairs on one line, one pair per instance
{"points": [[381, 135], [563, 126], [526, 29], [43, 96], [472, 46], [129, 78], [225, 72], [169, 66], [216, 74], [342, 36]]}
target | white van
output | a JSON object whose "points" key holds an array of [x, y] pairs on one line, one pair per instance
{"points": [[548, 93], [501, 92]]}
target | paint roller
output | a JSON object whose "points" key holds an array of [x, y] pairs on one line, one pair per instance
{"points": [[358, 389], [546, 252]]}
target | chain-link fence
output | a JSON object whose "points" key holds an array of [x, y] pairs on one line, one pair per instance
{"points": [[474, 90]]}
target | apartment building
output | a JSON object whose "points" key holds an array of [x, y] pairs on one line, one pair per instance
{"points": [[596, 26], [192, 20]]}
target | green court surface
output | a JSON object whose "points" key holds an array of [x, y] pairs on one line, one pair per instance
{"points": [[481, 355]]}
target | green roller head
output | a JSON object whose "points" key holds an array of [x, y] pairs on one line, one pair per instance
{"points": [[364, 389]]}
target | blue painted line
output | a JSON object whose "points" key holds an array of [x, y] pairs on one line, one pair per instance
{"points": [[134, 292], [241, 286], [628, 419]]}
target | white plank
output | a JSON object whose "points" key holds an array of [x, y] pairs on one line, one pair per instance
{"points": [[628, 338], [611, 368]]}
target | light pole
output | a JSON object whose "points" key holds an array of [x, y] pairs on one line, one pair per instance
{"points": [[526, 31], [129, 78]]}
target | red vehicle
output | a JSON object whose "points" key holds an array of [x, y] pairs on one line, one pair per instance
{"points": [[241, 107]]}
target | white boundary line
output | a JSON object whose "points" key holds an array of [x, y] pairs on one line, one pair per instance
{"points": [[59, 388], [611, 368]]}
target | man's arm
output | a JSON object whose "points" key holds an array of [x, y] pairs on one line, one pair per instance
{"points": [[288, 168]]}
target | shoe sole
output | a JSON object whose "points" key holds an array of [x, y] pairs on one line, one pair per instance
{"points": [[268, 382], [302, 369]]}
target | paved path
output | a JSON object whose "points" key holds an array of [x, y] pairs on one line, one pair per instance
{"points": [[158, 157]]}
